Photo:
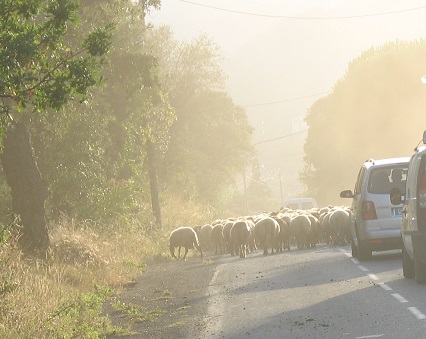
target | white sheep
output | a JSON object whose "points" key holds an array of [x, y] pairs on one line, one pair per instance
{"points": [[340, 226], [184, 237], [265, 233], [301, 228], [240, 234]]}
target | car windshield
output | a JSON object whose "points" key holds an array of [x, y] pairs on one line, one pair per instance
{"points": [[382, 180]]}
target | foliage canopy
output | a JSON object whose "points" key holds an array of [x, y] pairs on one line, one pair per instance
{"points": [[37, 65], [375, 111]]}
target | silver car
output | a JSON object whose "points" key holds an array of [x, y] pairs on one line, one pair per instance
{"points": [[413, 225], [375, 221]]}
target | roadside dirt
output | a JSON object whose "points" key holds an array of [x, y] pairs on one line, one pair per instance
{"points": [[169, 300]]}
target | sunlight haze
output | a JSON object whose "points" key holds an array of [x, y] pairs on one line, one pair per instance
{"points": [[281, 56]]}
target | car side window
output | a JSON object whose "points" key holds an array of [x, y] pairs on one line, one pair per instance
{"points": [[359, 180]]}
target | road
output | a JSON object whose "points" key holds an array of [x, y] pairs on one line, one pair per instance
{"points": [[317, 293]]}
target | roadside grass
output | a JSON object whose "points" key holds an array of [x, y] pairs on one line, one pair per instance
{"points": [[177, 324], [62, 295], [137, 313], [166, 295]]}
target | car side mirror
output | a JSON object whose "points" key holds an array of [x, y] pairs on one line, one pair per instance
{"points": [[396, 196], [346, 194]]}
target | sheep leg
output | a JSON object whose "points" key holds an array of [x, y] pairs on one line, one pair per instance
{"points": [[186, 252], [172, 252]]}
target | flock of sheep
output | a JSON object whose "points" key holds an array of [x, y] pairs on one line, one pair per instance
{"points": [[274, 230]]}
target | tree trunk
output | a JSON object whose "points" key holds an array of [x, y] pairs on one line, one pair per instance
{"points": [[155, 202], [29, 191]]}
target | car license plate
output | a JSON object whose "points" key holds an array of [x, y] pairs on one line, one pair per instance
{"points": [[396, 211]]}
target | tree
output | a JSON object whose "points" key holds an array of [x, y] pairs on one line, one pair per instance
{"points": [[375, 111], [209, 141], [40, 70], [94, 155]]}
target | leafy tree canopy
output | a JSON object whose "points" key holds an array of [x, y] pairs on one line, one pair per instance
{"points": [[93, 155], [375, 111], [210, 139], [37, 65]]}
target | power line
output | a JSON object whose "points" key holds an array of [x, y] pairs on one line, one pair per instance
{"points": [[286, 100], [256, 181], [306, 17], [282, 137]]}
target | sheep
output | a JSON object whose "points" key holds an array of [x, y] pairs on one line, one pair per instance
{"points": [[315, 228], [240, 234], [325, 223], [265, 233], [301, 227], [197, 229], [226, 233], [251, 243], [205, 237], [217, 238], [184, 237], [339, 226], [283, 238]]}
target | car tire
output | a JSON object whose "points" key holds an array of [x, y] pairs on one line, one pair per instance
{"points": [[407, 264], [419, 270], [354, 249], [364, 252]]}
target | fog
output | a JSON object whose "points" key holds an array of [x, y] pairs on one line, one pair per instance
{"points": [[280, 57]]}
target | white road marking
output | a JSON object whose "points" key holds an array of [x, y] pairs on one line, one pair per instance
{"points": [[371, 336], [363, 268], [373, 276], [385, 287], [419, 315], [413, 310], [399, 297], [216, 306]]}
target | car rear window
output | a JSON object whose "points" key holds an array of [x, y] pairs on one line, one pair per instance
{"points": [[293, 206], [307, 205], [383, 179]]}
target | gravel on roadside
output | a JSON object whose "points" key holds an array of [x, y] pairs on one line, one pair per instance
{"points": [[169, 300]]}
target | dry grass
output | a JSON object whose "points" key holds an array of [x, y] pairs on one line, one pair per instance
{"points": [[62, 296]]}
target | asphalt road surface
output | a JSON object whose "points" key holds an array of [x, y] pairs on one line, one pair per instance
{"points": [[316, 293]]}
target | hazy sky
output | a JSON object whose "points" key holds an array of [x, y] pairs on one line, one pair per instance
{"points": [[280, 56]]}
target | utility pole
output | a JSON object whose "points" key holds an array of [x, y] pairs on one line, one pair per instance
{"points": [[245, 192], [281, 189]]}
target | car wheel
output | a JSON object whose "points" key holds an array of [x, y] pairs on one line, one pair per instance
{"points": [[419, 270], [364, 253], [354, 249], [407, 264]]}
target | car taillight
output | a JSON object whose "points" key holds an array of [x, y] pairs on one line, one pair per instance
{"points": [[368, 210], [422, 192]]}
